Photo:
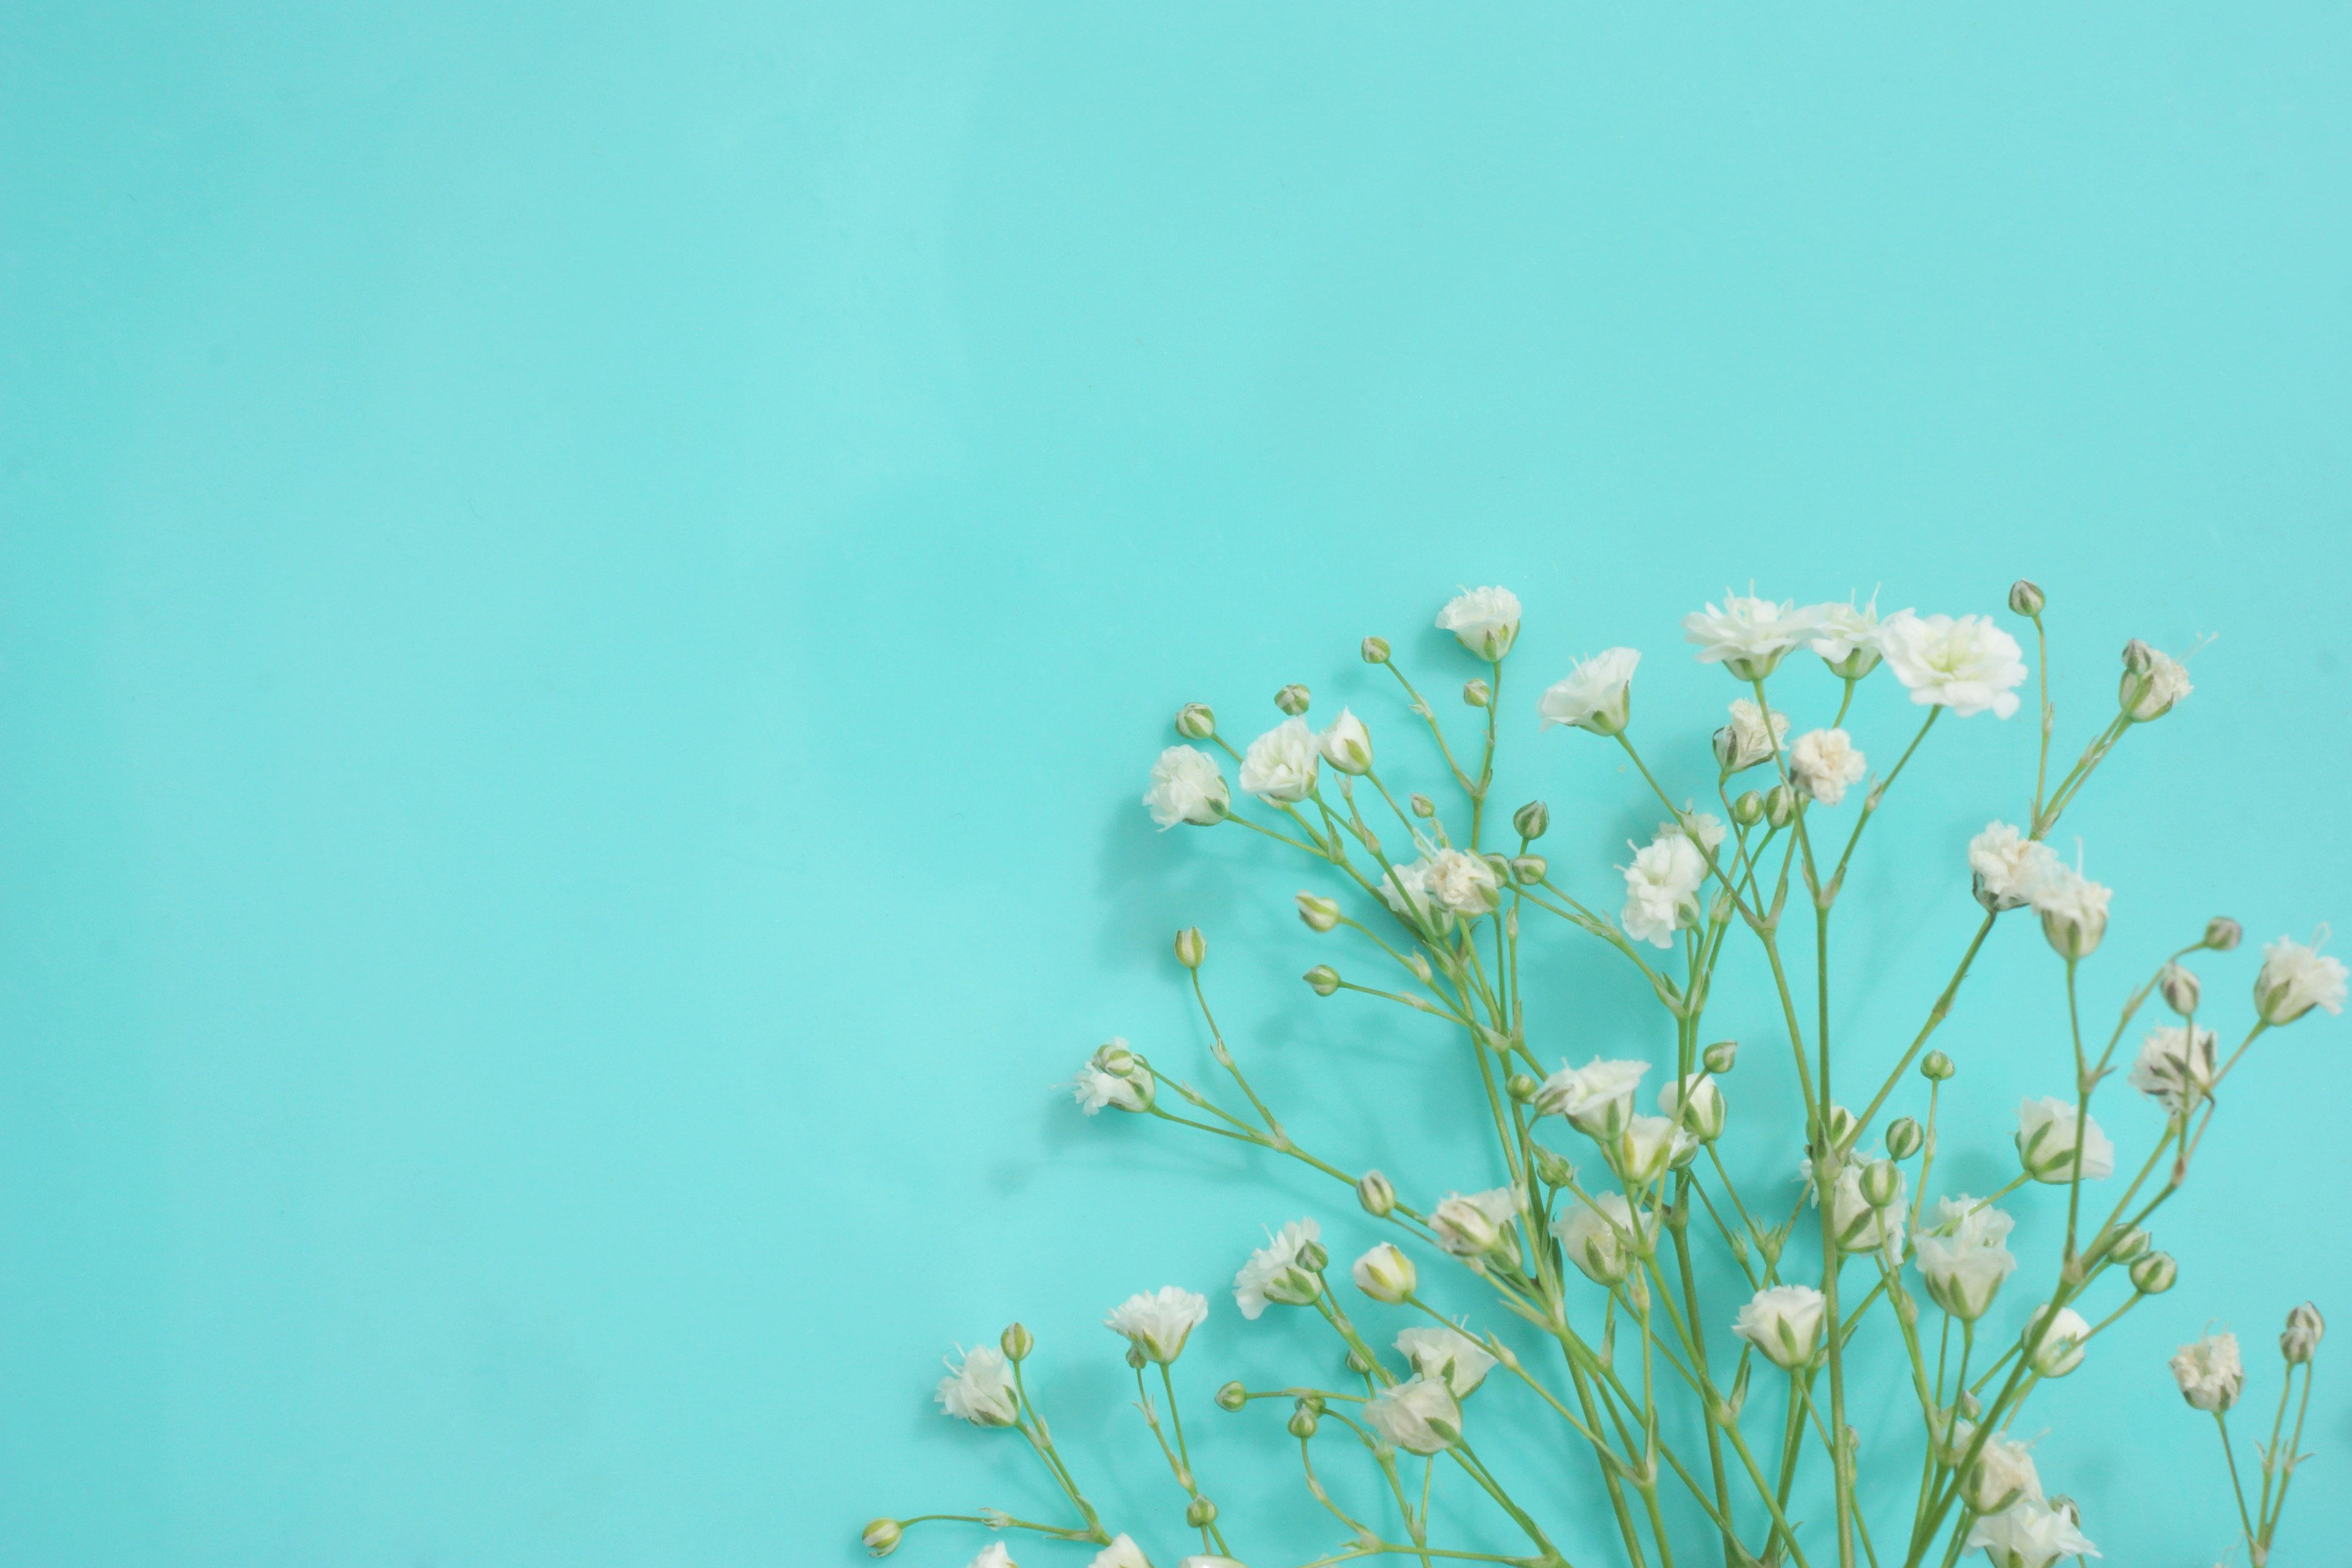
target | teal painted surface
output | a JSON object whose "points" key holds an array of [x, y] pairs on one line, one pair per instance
{"points": [[585, 594]]}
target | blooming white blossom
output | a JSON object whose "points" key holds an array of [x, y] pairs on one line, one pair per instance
{"points": [[1469, 1225], [1406, 890], [1447, 1355], [1699, 1112], [1845, 637], [1747, 636], [2175, 1065], [2074, 908], [979, 1388], [1419, 1416], [1122, 1552], [2003, 1474], [1462, 882], [1824, 762], [2062, 1348], [1280, 764], [1784, 1322], [2006, 865], [2046, 1142], [2209, 1373], [1212, 1561], [1601, 1237], [1597, 1097], [1347, 745], [1596, 694], [2295, 979], [1743, 742], [1647, 1149], [1484, 620], [1662, 889], [1967, 665], [994, 1555], [1965, 1255], [1861, 1225], [1186, 787], [1705, 827], [1158, 1322], [1277, 1273], [1094, 1088], [2029, 1535], [1385, 1273], [2157, 692]]}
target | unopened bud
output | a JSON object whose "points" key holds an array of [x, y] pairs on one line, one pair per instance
{"points": [[1191, 947], [1477, 693], [2222, 933], [1356, 1364], [1291, 699], [1376, 650], [1374, 1190], [2154, 1274], [1016, 1341], [1200, 1514], [1749, 809], [1529, 870], [1196, 722], [1721, 1057], [2128, 1244], [1232, 1396], [1423, 806], [1881, 1184], [1523, 1087], [2304, 1327], [2139, 657], [1904, 1139], [2179, 988], [2025, 598], [1115, 1059], [1303, 1419], [1551, 1169], [1314, 1256], [1134, 1357], [1532, 819], [1936, 1068], [882, 1537], [1323, 978], [1780, 805], [1320, 912]]}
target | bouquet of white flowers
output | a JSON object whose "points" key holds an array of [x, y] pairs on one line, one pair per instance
{"points": [[1590, 1242]]}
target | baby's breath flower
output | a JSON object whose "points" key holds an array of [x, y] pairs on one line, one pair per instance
{"points": [[1662, 889], [1347, 745], [1700, 1112], [1747, 636], [2209, 1373], [1743, 743], [1783, 1322], [1596, 693], [979, 1388], [1597, 1097], [1967, 665], [1845, 638], [1824, 762], [2074, 908], [1157, 1323], [995, 1555], [2175, 1065], [1965, 1255], [1419, 1416], [1474, 1224], [2295, 979], [1281, 1271], [1122, 1552], [1385, 1273], [1187, 785], [1601, 1237], [2029, 1535], [1280, 764], [1462, 882], [2005, 865], [1447, 1355], [1484, 620], [2046, 1142], [2061, 1350]]}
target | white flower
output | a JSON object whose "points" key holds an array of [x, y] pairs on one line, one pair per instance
{"points": [[1824, 762], [994, 1555], [1474, 1223], [1448, 1356], [2175, 1065], [2209, 1373], [2074, 908], [1484, 620], [1122, 1552], [1783, 1322], [2006, 865], [2046, 1142], [2295, 979], [1662, 889], [1965, 1255], [2156, 693], [1597, 1097], [1406, 890], [1280, 763], [1596, 694], [2062, 1348], [1460, 881], [1419, 1416], [1386, 1274], [2002, 1475], [1186, 787], [1700, 1113], [1967, 665], [1861, 1226], [1706, 828], [1276, 1272], [1742, 743], [1197, 1561], [1747, 635], [1347, 745], [1157, 1323], [2029, 1535], [1845, 637], [1094, 1088], [1599, 1237], [979, 1388], [1647, 1149]]}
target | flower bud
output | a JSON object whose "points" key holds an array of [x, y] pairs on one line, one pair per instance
{"points": [[1115, 1059], [1532, 819], [1376, 650], [1749, 809], [1314, 1258], [1303, 1419], [1780, 805], [2025, 598], [2222, 933], [1385, 1273], [1551, 1169], [1528, 870], [1200, 1514], [1374, 1190], [1134, 1357], [1292, 699], [1721, 1057], [1881, 1184], [2154, 1274], [1477, 693], [1232, 1396], [1936, 1068], [2130, 1244], [2139, 657], [1904, 1138], [882, 1537], [1423, 806], [1191, 947], [1523, 1087], [1016, 1341], [2304, 1327], [2060, 1350], [1320, 912], [1323, 978], [1196, 722], [1355, 1363]]}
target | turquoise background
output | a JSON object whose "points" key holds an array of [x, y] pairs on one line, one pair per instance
{"points": [[586, 592]]}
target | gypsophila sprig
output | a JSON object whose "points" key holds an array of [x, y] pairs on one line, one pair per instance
{"points": [[1562, 1254]]}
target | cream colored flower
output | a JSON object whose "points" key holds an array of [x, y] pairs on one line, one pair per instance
{"points": [[1706, 828], [1419, 1416], [1347, 745], [1462, 882], [1447, 1355], [1824, 762], [2046, 1142], [979, 1388], [1742, 743], [1122, 1552], [2209, 1373], [1473, 1224], [1601, 1237], [1845, 637], [1965, 1256], [1186, 787], [2006, 865], [1484, 620], [2157, 692], [1280, 764], [1967, 665], [1596, 695], [1647, 1149], [1277, 1272], [1783, 1322], [2074, 908], [994, 1555], [1700, 1114], [1747, 636], [1386, 1274], [1158, 1322], [2062, 1348], [2002, 1475], [2029, 1535], [1597, 1099], [2175, 1065], [2295, 979], [1662, 889]]}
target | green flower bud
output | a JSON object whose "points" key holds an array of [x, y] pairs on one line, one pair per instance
{"points": [[1749, 809], [1134, 1357], [1191, 947], [1552, 1170], [1323, 978], [2131, 1244], [1423, 806], [1376, 650], [1532, 819], [1356, 1364], [1016, 1341], [1780, 805], [2222, 933], [1374, 1190], [1721, 1057], [1523, 1087], [2303, 1328], [1291, 699], [1904, 1139], [2025, 598], [1200, 1514], [1303, 1419], [1196, 722], [2180, 989], [1314, 1258], [1881, 1184], [2139, 657], [1477, 694], [882, 1537], [1320, 912], [1936, 1068], [1232, 1396], [2154, 1274], [1529, 870]]}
